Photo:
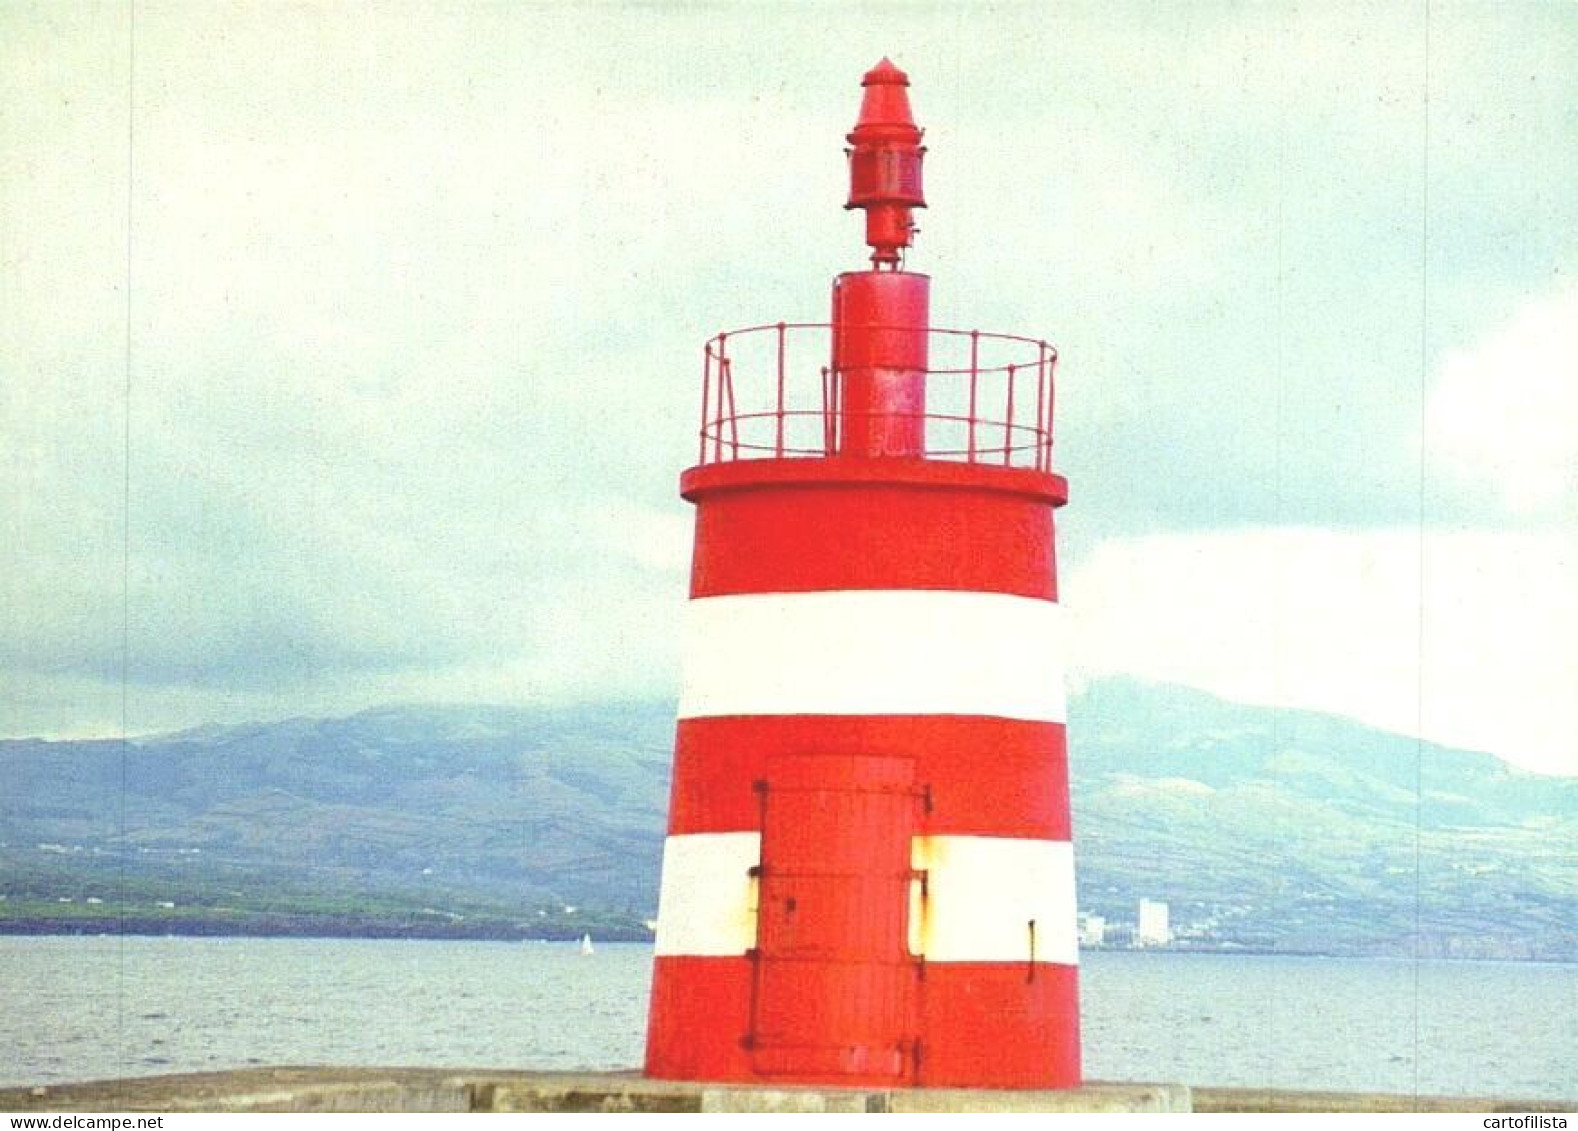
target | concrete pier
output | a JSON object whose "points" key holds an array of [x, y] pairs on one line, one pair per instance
{"points": [[457, 1090], [485, 1090]]}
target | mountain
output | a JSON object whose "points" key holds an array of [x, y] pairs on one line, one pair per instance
{"points": [[1295, 830], [1262, 829], [429, 820]]}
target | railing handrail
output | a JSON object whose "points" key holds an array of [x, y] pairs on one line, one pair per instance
{"points": [[986, 375]]}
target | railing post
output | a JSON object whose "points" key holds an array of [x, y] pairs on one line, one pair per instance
{"points": [[1008, 428], [778, 443], [975, 344], [723, 384], [1041, 401], [706, 397], [827, 412], [1051, 399], [734, 409]]}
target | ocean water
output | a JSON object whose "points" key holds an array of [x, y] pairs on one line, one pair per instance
{"points": [[92, 1008]]}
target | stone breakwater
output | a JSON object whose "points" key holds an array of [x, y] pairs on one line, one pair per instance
{"points": [[448, 1090]]}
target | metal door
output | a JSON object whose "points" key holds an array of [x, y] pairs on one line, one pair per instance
{"points": [[835, 985]]}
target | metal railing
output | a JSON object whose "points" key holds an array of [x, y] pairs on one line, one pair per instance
{"points": [[771, 392]]}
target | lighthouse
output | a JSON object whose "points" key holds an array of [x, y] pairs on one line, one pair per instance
{"points": [[868, 878]]}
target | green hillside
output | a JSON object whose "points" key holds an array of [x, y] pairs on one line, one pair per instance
{"points": [[1265, 830]]}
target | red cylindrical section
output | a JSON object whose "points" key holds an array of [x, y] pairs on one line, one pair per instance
{"points": [[750, 539], [881, 323], [868, 879]]}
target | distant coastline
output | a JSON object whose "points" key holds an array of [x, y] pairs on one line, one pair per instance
{"points": [[263, 924], [285, 927]]}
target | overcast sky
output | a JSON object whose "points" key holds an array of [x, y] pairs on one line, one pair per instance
{"points": [[400, 307]]}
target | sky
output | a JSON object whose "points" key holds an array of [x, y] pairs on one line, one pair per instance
{"points": [[350, 353]]}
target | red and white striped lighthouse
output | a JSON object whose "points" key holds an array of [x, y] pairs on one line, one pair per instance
{"points": [[868, 878]]}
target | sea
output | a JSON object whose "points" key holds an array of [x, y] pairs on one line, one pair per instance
{"points": [[83, 1008]]}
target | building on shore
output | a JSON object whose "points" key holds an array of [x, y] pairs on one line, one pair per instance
{"points": [[1092, 930], [1153, 928]]}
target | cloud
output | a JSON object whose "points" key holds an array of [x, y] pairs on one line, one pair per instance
{"points": [[1460, 638], [1503, 413], [417, 300]]}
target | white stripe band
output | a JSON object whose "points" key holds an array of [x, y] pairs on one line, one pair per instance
{"points": [[707, 901], [985, 892], [981, 895], [874, 652]]}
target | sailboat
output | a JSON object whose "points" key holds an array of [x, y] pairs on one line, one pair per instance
{"points": [[586, 944]]}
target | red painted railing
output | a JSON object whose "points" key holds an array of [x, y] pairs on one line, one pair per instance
{"points": [[770, 392]]}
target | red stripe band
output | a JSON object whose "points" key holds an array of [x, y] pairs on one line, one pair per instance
{"points": [[972, 1024], [842, 534], [986, 776]]}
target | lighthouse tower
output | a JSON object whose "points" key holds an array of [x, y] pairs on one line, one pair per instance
{"points": [[868, 877]]}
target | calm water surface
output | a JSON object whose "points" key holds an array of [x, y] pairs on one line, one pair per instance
{"points": [[87, 1008]]}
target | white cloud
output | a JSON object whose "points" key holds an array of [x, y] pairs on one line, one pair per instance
{"points": [[1461, 638], [1503, 413], [656, 540], [417, 297]]}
